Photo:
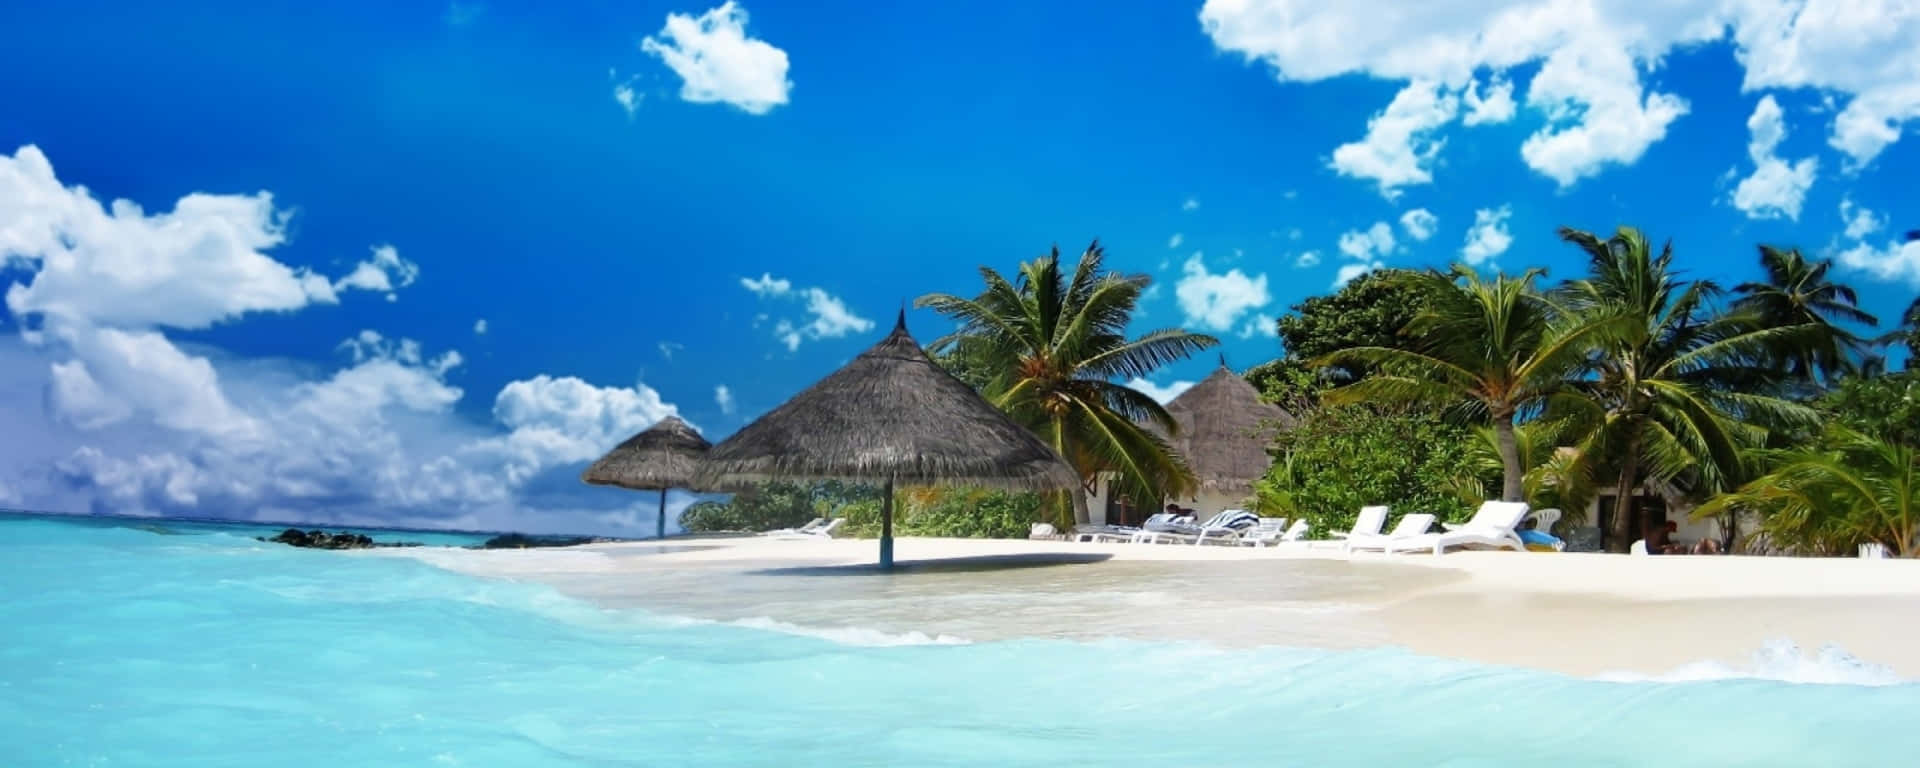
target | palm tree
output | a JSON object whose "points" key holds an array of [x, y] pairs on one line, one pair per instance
{"points": [[1670, 392], [1492, 349], [1851, 488], [1056, 343], [1797, 292]]}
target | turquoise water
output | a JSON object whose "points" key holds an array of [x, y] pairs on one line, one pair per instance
{"points": [[123, 647]]}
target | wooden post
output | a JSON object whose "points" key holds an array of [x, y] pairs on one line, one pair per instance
{"points": [[886, 527], [660, 526]]}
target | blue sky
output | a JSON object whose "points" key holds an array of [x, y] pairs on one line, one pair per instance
{"points": [[418, 262]]}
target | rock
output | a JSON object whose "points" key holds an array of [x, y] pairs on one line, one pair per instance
{"points": [[523, 541], [318, 539]]}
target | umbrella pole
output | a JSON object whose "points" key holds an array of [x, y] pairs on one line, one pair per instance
{"points": [[660, 525], [886, 527]]}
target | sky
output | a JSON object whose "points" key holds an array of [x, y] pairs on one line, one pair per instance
{"points": [[418, 263]]}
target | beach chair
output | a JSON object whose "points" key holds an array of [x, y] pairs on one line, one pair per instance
{"points": [[1044, 532], [1103, 533], [810, 527], [1493, 526], [1408, 527], [1873, 550], [1639, 548], [820, 532], [1368, 523], [1226, 527], [1268, 529], [1167, 528], [1294, 533]]}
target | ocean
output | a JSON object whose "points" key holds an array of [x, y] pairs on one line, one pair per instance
{"points": [[191, 644]]}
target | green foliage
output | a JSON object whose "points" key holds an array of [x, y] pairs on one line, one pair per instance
{"points": [[961, 513], [1848, 488], [1369, 311], [772, 506], [1886, 406], [1288, 383], [1347, 457], [1050, 346], [1797, 292]]}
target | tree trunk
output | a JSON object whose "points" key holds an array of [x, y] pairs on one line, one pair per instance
{"points": [[1512, 476], [660, 525], [1082, 513], [886, 527], [1624, 530]]}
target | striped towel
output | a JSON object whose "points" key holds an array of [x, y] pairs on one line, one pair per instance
{"points": [[1239, 520]]}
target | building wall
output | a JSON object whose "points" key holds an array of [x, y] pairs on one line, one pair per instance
{"points": [[1206, 504]]}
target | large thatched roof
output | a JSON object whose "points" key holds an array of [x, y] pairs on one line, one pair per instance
{"points": [[890, 413], [662, 456], [1225, 429]]}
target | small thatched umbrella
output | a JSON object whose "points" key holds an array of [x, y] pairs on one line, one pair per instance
{"points": [[1225, 429], [662, 456], [890, 416]]}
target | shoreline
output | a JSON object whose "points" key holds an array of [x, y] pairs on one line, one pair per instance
{"points": [[1577, 614]]}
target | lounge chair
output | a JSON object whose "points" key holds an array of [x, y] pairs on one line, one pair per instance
{"points": [[1409, 526], [1267, 529], [1294, 533], [1226, 527], [1099, 533], [811, 526], [1493, 526], [1873, 550], [1368, 523], [1169, 529], [1639, 548], [821, 532], [1044, 532]]}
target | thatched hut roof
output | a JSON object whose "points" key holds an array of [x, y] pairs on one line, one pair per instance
{"points": [[662, 456], [1225, 430], [891, 413]]}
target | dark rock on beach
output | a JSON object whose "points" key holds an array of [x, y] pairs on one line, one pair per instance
{"points": [[317, 539], [523, 541]]}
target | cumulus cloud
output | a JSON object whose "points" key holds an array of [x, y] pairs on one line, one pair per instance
{"points": [[723, 397], [1174, 242], [1892, 261], [827, 316], [1860, 221], [1367, 249], [1495, 105], [480, 327], [628, 98], [1160, 394], [1307, 259], [130, 421], [1216, 301], [1591, 57], [1399, 147], [1260, 324], [1419, 223], [718, 63], [1488, 237], [1776, 188]]}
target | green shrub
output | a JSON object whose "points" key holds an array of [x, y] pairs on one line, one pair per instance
{"points": [[1341, 459]]}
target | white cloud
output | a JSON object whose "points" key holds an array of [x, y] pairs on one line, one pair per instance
{"points": [[723, 397], [1190, 205], [828, 316], [1592, 56], [1260, 324], [1860, 221], [1495, 107], [1370, 243], [562, 420], [1399, 147], [1419, 223], [480, 327], [383, 273], [1307, 259], [1896, 261], [1160, 394], [718, 63], [1776, 188], [628, 98], [1216, 301], [1488, 237], [1174, 242], [667, 348], [1348, 272]]}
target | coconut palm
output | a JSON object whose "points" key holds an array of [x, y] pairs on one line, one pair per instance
{"points": [[1797, 292], [1492, 349], [1850, 489], [1670, 393], [1056, 342]]}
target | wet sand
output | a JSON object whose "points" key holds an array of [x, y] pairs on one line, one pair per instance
{"points": [[1573, 613]]}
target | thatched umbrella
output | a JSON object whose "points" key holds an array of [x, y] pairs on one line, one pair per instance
{"points": [[662, 456], [890, 416], [1225, 430]]}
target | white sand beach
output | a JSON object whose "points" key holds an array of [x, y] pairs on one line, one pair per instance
{"points": [[1583, 614]]}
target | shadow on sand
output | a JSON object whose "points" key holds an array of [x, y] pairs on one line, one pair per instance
{"points": [[976, 564]]}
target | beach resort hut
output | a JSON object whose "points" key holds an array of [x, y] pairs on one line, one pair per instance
{"points": [[662, 456], [1225, 431], [890, 417]]}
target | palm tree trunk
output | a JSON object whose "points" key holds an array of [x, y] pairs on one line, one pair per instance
{"points": [[1512, 474], [1623, 529], [1082, 513]]}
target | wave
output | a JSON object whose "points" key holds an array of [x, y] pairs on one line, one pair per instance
{"points": [[1779, 661]]}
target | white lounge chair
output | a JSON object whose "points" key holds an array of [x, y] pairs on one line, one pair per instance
{"points": [[1409, 526], [1493, 526], [1169, 529], [810, 527], [1268, 528], [1639, 548], [1367, 523], [1294, 533], [1099, 533], [1226, 527], [820, 532]]}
